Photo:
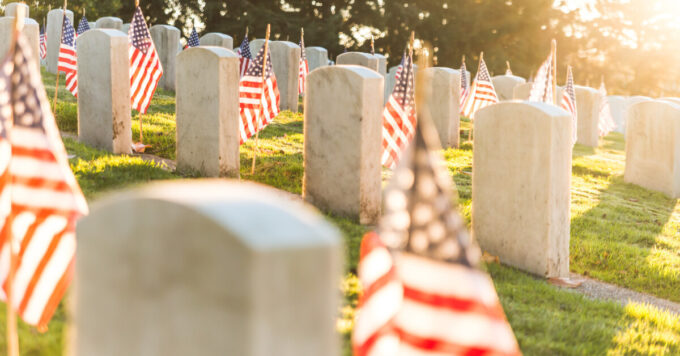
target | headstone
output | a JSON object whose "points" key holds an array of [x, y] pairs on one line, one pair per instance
{"points": [[442, 105], [109, 22], [343, 142], [166, 39], [208, 112], [630, 101], [505, 86], [55, 19], [391, 80], [522, 91], [588, 107], [31, 30], [520, 185], [211, 267], [359, 58], [286, 61], [316, 57], [217, 39], [104, 109], [256, 46], [653, 147], [125, 28], [11, 9], [382, 64], [617, 106]]}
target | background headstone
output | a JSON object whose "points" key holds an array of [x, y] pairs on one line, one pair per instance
{"points": [[359, 58], [208, 268], [382, 64], [166, 39], [630, 101], [286, 62], [442, 106], [109, 22], [125, 28], [588, 106], [208, 112], [617, 106], [11, 9], [343, 141], [521, 185], [505, 86], [104, 109], [31, 31], [391, 80], [55, 19], [217, 39], [316, 57], [256, 46]]}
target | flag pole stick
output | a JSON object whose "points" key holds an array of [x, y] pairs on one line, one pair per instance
{"points": [[554, 70], [259, 118], [507, 63], [56, 87]]}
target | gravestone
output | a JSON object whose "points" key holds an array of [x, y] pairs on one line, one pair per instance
{"points": [[166, 39], [522, 91], [617, 106], [104, 109], [671, 100], [125, 28], [208, 112], [520, 185], [55, 19], [359, 58], [653, 147], [316, 57], [217, 39], [11, 9], [208, 267], [382, 64], [343, 142], [442, 106], [31, 30], [391, 80], [286, 62], [588, 106], [505, 86], [630, 101], [109, 22], [256, 46]]}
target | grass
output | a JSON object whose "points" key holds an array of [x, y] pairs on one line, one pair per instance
{"points": [[621, 234]]}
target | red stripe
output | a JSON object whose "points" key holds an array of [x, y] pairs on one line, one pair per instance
{"points": [[42, 183], [445, 347], [453, 303], [34, 153], [55, 298]]}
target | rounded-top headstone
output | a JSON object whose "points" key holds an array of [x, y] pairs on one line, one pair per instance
{"points": [[109, 22], [217, 39], [256, 46], [617, 107], [11, 9], [55, 20], [286, 62], [588, 102], [359, 58], [166, 39], [441, 105], [31, 30], [316, 57], [382, 63], [505, 86]]}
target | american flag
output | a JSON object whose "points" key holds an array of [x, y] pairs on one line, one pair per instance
{"points": [[464, 87], [42, 198], [482, 93], [422, 291], [193, 40], [569, 103], [244, 56], [606, 122], [397, 74], [304, 67], [83, 26], [43, 43], [542, 89], [258, 101], [68, 58], [145, 67], [399, 116]]}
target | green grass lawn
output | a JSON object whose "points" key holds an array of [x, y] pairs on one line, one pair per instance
{"points": [[621, 234]]}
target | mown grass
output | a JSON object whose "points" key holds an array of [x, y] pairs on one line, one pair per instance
{"points": [[621, 233]]}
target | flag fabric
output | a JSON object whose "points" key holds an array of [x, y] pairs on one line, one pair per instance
{"points": [[399, 116], [482, 93], [422, 291], [569, 103], [145, 66], [258, 100], [43, 43], [41, 197], [464, 87], [83, 26], [68, 58], [193, 40], [400, 67], [304, 68], [245, 57], [542, 88], [606, 122]]}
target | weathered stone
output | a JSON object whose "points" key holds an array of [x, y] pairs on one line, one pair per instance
{"points": [[316, 57], [505, 86], [31, 30], [617, 106], [211, 267], [166, 39], [286, 62], [343, 141], [359, 58], [588, 106], [217, 39], [442, 104], [653, 146], [109, 22], [104, 109], [382, 64], [55, 19], [208, 112], [520, 185], [11, 9]]}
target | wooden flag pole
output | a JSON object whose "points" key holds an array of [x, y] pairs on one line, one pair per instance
{"points": [[372, 45], [56, 87], [259, 118], [246, 31], [507, 63], [554, 70]]}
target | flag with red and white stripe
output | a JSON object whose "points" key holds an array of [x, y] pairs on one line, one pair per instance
{"points": [[482, 93], [542, 88], [42, 199], [464, 86], [399, 116], [422, 291], [245, 57], [259, 99], [145, 66], [304, 67], [68, 58], [569, 103], [43, 43], [606, 122]]}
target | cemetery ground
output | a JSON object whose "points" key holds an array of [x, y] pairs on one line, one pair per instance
{"points": [[620, 233]]}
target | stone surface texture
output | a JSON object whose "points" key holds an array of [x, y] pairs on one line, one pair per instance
{"points": [[11, 9], [317, 57], [286, 61], [31, 31], [166, 39], [442, 104]]}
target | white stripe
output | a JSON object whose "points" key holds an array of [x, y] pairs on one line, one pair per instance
{"points": [[29, 138], [377, 311], [43, 198], [374, 265], [28, 168]]}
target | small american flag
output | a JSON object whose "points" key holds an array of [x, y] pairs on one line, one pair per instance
{"points": [[422, 291], [399, 116], [68, 58], [464, 87], [606, 122], [41, 196], [245, 57], [304, 67], [482, 93], [542, 89], [43, 43], [258, 101], [145, 67], [193, 40], [569, 103], [83, 26]]}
